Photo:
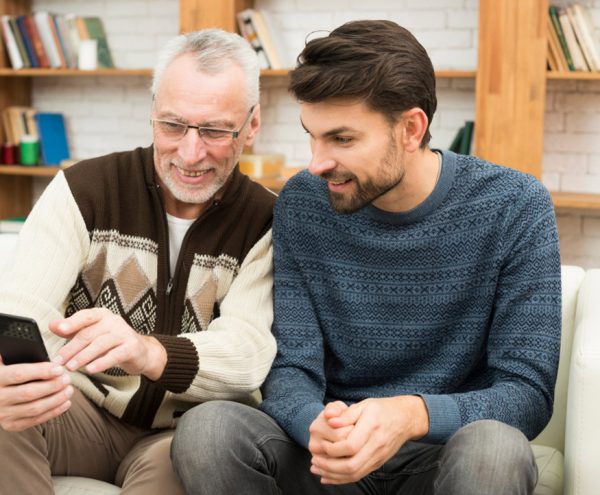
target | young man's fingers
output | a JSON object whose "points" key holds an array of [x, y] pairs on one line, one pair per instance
{"points": [[346, 417]]}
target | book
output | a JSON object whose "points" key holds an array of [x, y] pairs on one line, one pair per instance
{"points": [[57, 44], [27, 41], [455, 145], [14, 224], [15, 120], [36, 41], [554, 47], [463, 139], [578, 58], [466, 138], [11, 44], [95, 31], [73, 34], [266, 40], [54, 146], [42, 22], [65, 41], [586, 35], [248, 31], [12, 21], [553, 12], [7, 128], [551, 63]]}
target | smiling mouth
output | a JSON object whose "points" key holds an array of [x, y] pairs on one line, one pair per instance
{"points": [[191, 173], [339, 182]]}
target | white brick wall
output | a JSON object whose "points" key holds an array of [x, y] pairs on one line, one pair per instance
{"points": [[108, 114], [447, 29]]}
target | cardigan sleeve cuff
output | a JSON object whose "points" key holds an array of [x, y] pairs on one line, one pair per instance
{"points": [[182, 363]]}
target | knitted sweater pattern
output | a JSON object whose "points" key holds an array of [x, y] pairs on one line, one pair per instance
{"points": [[457, 300]]}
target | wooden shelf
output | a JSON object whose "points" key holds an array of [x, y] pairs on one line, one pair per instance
{"points": [[576, 201], [440, 74], [455, 74], [36, 171], [7, 72], [574, 75], [274, 72], [562, 200]]}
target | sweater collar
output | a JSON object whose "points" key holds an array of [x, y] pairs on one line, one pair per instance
{"points": [[442, 187]]}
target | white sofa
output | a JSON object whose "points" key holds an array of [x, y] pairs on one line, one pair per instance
{"points": [[568, 449], [550, 445]]}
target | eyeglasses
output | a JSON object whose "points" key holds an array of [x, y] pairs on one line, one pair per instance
{"points": [[220, 137]]}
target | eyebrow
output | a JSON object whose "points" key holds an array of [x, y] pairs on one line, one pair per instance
{"points": [[332, 132], [221, 124]]}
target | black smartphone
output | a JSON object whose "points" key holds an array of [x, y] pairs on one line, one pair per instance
{"points": [[21, 340]]}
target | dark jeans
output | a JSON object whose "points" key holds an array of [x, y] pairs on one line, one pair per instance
{"points": [[228, 448]]}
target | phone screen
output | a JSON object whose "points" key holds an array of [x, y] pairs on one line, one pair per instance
{"points": [[20, 340]]}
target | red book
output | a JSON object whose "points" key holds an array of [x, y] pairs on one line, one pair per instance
{"points": [[36, 41]]}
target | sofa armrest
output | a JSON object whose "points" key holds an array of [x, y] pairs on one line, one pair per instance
{"points": [[582, 436]]}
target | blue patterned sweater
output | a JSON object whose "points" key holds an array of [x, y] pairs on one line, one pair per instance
{"points": [[457, 300]]}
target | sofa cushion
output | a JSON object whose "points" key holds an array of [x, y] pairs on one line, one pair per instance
{"points": [[75, 485], [550, 464]]}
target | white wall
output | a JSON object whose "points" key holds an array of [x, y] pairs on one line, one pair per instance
{"points": [[109, 114]]}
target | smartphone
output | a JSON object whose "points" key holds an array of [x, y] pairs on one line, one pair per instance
{"points": [[21, 340]]}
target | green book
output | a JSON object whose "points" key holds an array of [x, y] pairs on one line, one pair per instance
{"points": [[553, 11], [96, 32], [455, 145], [19, 40], [467, 136]]}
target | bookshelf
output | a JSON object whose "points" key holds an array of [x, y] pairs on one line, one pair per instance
{"points": [[510, 88], [16, 182]]}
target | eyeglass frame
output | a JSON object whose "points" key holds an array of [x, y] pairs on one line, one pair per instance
{"points": [[199, 129]]}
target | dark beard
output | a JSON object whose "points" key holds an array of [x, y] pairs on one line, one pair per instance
{"points": [[369, 191], [365, 194]]}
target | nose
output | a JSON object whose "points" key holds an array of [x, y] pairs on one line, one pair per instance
{"points": [[192, 148], [320, 163]]}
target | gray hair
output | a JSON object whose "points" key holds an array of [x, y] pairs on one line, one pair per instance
{"points": [[212, 49]]}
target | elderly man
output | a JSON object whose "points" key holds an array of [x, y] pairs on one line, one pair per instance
{"points": [[149, 273]]}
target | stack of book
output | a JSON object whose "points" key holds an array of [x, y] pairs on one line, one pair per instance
{"points": [[48, 128], [254, 25], [572, 41], [45, 40]]}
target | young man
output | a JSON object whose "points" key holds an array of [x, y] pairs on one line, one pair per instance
{"points": [[161, 259], [417, 302]]}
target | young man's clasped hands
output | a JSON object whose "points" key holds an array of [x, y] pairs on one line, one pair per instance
{"points": [[349, 442]]}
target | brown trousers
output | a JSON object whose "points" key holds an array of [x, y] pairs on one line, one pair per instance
{"points": [[87, 441]]}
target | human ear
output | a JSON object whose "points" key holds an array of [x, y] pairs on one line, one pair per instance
{"points": [[414, 125], [253, 126]]}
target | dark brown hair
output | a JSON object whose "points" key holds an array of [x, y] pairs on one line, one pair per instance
{"points": [[378, 62]]}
